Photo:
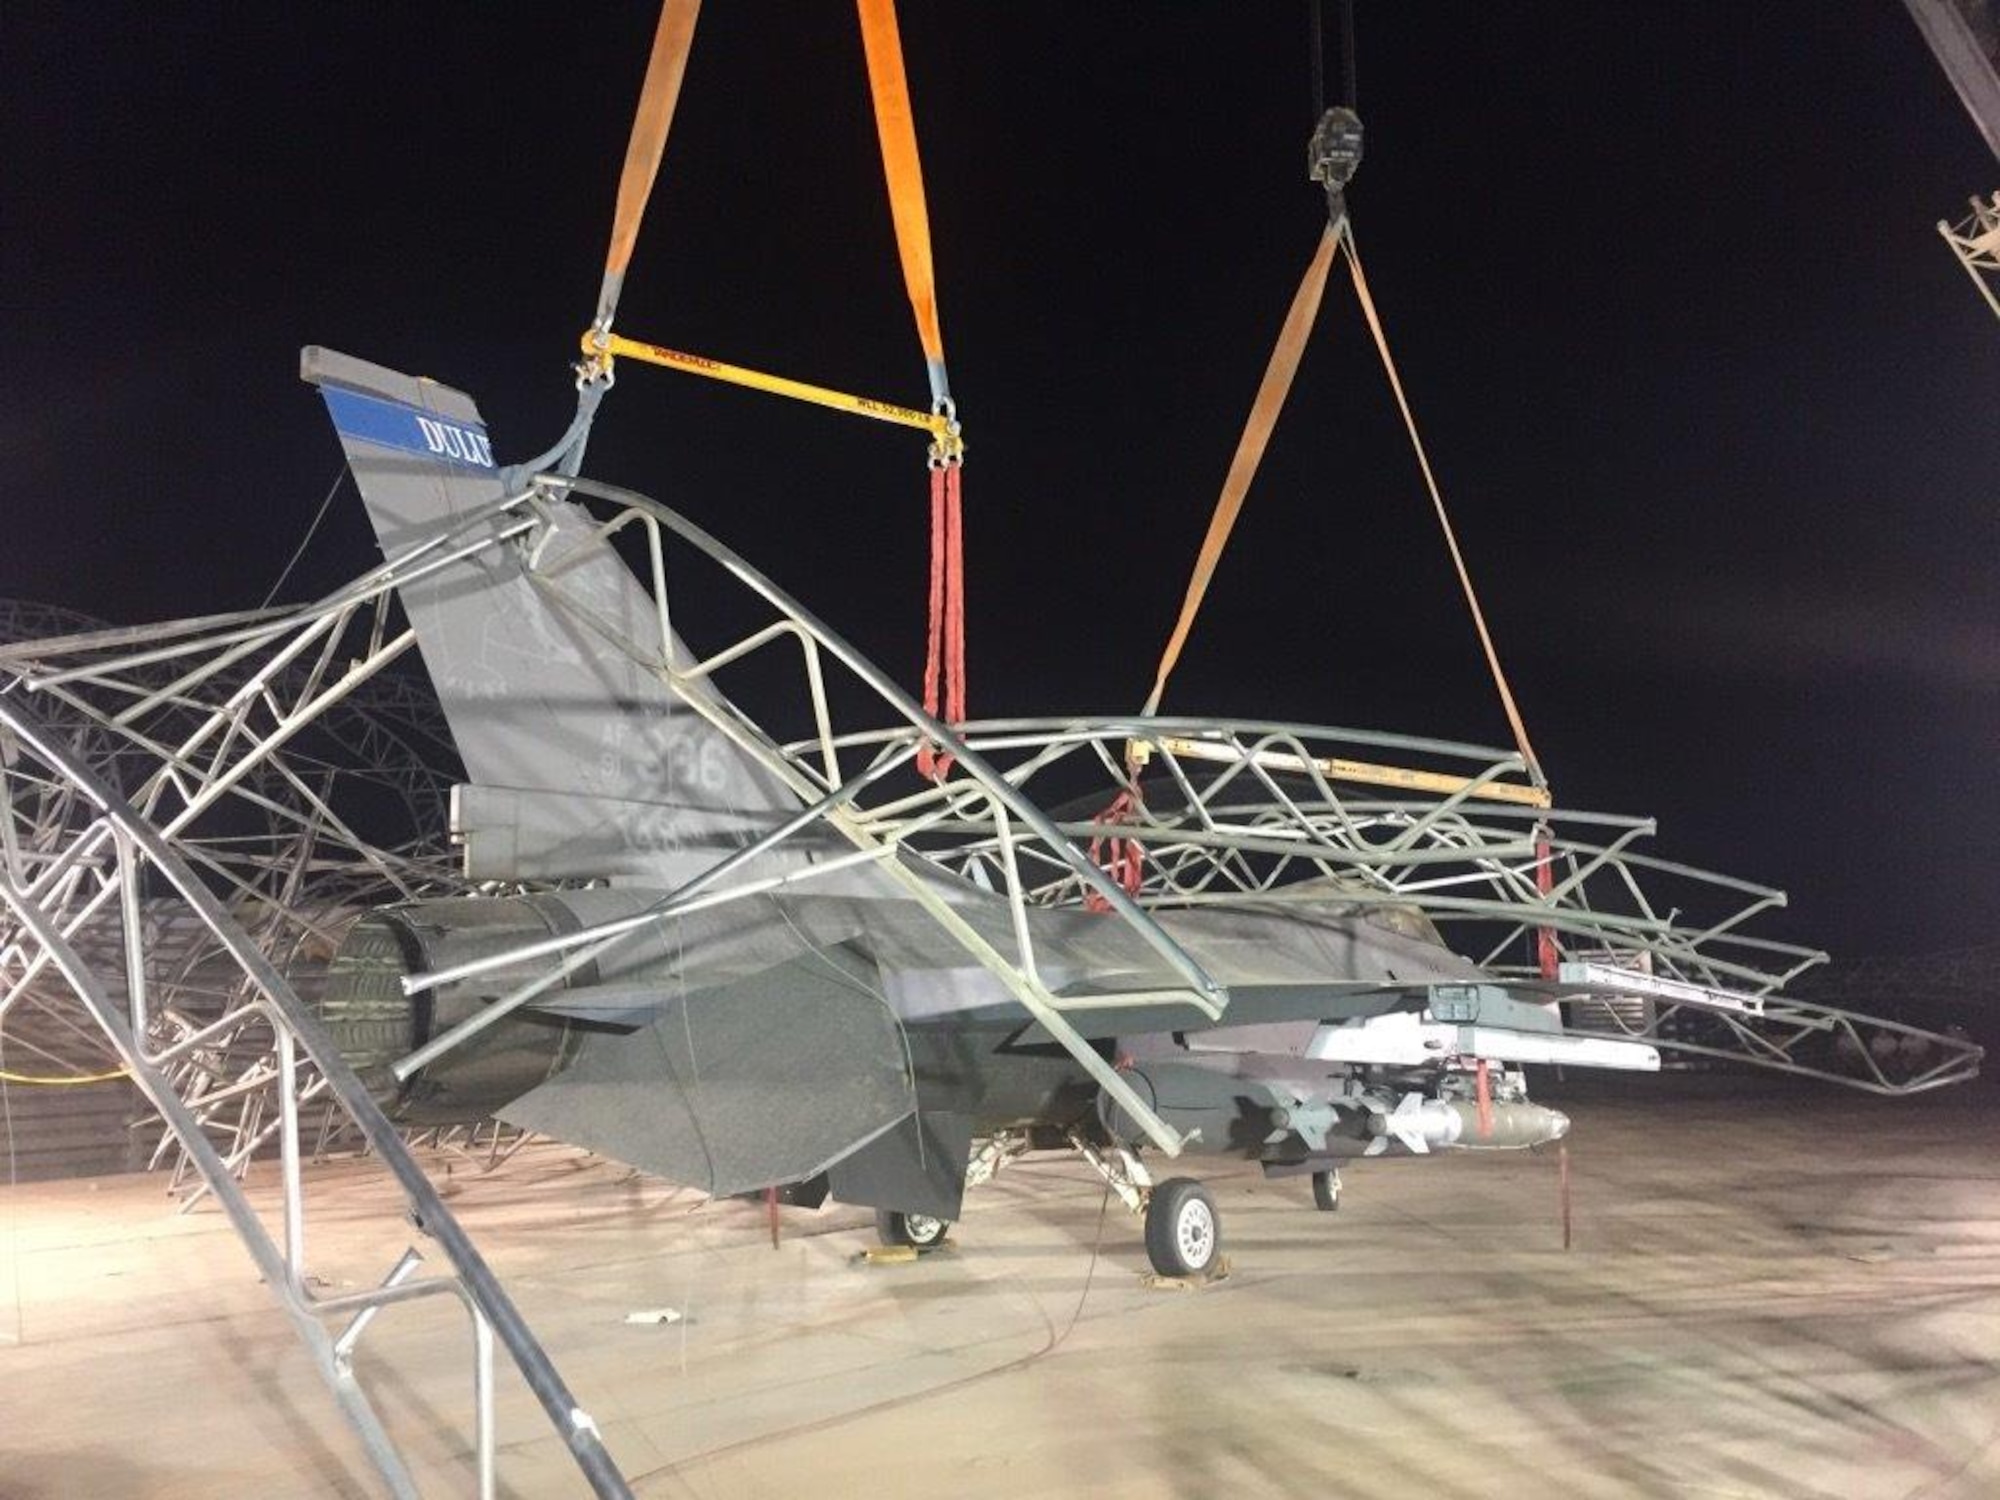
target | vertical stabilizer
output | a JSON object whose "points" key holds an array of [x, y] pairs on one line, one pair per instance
{"points": [[584, 762]]}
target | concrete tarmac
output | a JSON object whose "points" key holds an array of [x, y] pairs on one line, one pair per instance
{"points": [[1774, 1290]]}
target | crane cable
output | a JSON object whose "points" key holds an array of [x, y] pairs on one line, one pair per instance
{"points": [[1316, 55]]}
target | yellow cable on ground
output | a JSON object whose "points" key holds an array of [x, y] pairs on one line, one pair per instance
{"points": [[1437, 503], [63, 1083], [1276, 385]]}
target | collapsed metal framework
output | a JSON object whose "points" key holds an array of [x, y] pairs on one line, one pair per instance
{"points": [[1964, 37], [1257, 814], [179, 909], [295, 870], [175, 864], [1250, 815]]}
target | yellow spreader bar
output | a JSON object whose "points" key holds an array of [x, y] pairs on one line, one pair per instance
{"points": [[601, 348], [1365, 772]]}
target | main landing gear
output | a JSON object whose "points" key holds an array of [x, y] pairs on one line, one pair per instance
{"points": [[1183, 1227], [919, 1231], [926, 1232]]}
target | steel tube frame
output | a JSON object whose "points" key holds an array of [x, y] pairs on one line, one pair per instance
{"points": [[142, 848]]}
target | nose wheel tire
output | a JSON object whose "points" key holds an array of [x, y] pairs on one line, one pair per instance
{"points": [[920, 1231], [1326, 1191], [1183, 1229]]}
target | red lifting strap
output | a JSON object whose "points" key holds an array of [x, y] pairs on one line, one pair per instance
{"points": [[944, 656], [1123, 859], [1548, 958]]}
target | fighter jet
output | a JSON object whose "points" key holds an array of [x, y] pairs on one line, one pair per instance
{"points": [[743, 965]]}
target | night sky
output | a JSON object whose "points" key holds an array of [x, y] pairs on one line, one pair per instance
{"points": [[1711, 402]]}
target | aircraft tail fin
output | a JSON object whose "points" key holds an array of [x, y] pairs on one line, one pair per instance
{"points": [[538, 700]]}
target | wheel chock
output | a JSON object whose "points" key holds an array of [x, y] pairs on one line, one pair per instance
{"points": [[1153, 1281]]}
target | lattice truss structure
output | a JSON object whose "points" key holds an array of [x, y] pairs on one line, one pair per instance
{"points": [[1245, 814], [1255, 815], [1262, 815], [241, 762], [1976, 243], [1431, 832]]}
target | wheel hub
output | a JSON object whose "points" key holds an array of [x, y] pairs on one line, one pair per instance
{"points": [[1194, 1232]]}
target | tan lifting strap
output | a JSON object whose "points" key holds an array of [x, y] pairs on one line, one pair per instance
{"points": [[1271, 393], [1507, 703], [1277, 384]]}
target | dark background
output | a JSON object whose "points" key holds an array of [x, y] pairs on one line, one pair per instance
{"points": [[1711, 401]]}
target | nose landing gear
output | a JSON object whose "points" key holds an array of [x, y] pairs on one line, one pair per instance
{"points": [[1183, 1226], [1183, 1229]]}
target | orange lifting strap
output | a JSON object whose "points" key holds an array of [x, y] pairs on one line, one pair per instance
{"points": [[944, 672], [1125, 858], [672, 40], [896, 126], [902, 168]]}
